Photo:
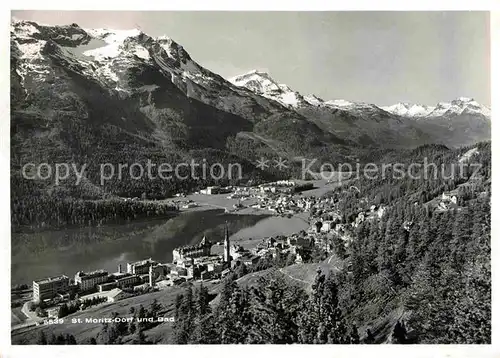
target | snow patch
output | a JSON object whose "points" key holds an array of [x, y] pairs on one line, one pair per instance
{"points": [[141, 52], [114, 40], [261, 83], [289, 98], [314, 100], [468, 155], [23, 29], [107, 72], [168, 48], [461, 105], [408, 109], [256, 81], [31, 50], [339, 103]]}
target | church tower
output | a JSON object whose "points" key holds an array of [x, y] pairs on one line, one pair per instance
{"points": [[227, 245], [151, 276]]}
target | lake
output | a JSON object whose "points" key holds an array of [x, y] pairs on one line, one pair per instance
{"points": [[67, 251]]}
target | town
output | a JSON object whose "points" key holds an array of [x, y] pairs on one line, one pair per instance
{"points": [[327, 232]]}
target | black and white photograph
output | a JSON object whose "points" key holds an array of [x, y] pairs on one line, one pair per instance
{"points": [[250, 177]]}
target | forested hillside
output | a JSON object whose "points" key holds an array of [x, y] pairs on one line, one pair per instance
{"points": [[416, 275]]}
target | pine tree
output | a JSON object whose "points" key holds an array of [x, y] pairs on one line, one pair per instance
{"points": [[139, 338], [70, 339], [185, 314], [333, 328], [204, 331], [227, 313], [141, 315], [354, 336], [42, 338], [155, 308], [274, 313], [322, 320], [370, 338], [132, 328], [108, 335], [53, 339], [202, 300], [399, 333], [309, 318]]}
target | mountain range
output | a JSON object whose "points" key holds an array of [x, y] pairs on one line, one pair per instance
{"points": [[105, 95], [262, 84], [395, 124]]}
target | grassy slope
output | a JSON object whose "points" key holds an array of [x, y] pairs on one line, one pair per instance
{"points": [[84, 331]]}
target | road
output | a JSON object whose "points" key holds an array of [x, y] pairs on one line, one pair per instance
{"points": [[31, 319], [30, 316], [335, 268], [293, 278]]}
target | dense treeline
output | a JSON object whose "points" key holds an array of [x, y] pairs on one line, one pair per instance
{"points": [[42, 203], [78, 304], [131, 332], [432, 265], [44, 212], [105, 155], [419, 183], [60, 339], [115, 165], [271, 312], [437, 270], [414, 275], [173, 174]]}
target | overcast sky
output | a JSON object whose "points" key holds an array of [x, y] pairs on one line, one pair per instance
{"points": [[376, 57]]}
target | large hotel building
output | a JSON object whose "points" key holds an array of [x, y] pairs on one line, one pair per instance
{"points": [[50, 287], [192, 251], [89, 280], [140, 267]]}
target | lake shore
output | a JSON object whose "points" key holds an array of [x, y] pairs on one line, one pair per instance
{"points": [[221, 201], [68, 250]]}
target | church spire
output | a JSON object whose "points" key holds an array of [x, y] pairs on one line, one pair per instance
{"points": [[227, 244]]}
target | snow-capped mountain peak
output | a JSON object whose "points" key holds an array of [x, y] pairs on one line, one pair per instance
{"points": [[461, 105], [409, 110], [256, 81], [154, 72], [263, 84], [314, 100], [104, 54], [339, 103], [108, 56], [114, 40]]}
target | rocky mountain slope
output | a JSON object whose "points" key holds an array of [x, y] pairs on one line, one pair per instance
{"points": [[459, 106], [98, 95], [161, 95], [462, 121]]}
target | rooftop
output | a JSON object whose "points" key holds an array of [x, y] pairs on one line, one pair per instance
{"points": [[204, 242], [121, 274], [207, 259], [52, 279], [125, 277], [94, 273], [142, 262]]}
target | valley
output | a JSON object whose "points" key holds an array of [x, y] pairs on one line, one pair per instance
{"points": [[271, 256]]}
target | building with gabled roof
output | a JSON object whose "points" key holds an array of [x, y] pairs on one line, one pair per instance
{"points": [[192, 251]]}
